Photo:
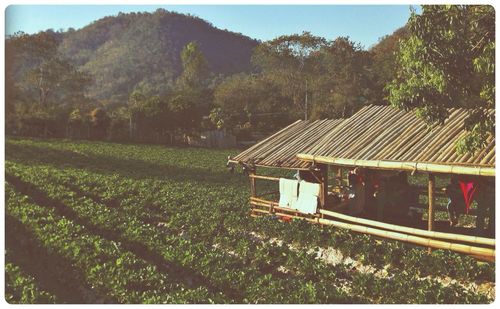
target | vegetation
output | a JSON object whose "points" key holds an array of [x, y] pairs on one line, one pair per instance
{"points": [[163, 76], [148, 224], [448, 60]]}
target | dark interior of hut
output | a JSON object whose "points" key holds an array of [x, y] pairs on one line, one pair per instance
{"points": [[401, 198]]}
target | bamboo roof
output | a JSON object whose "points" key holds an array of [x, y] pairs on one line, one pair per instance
{"points": [[376, 137], [281, 148], [383, 133]]}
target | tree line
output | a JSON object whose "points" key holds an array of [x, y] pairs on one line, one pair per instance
{"points": [[443, 57]]}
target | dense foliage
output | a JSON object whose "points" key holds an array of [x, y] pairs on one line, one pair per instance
{"points": [[164, 77], [448, 60], [162, 74], [142, 50], [148, 224]]}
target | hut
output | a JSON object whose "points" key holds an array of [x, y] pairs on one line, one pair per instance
{"points": [[280, 150], [376, 138]]}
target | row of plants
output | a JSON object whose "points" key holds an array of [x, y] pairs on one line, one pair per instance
{"points": [[21, 288], [267, 258], [195, 256], [191, 232], [100, 271], [379, 254]]}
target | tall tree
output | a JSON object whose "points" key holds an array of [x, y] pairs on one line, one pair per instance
{"points": [[448, 61], [344, 80], [191, 98], [195, 70], [40, 78], [383, 67], [249, 101], [290, 62]]}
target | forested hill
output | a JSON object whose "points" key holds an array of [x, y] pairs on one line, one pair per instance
{"points": [[142, 76], [142, 50]]}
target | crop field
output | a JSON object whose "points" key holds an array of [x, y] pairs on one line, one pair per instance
{"points": [[95, 222]]}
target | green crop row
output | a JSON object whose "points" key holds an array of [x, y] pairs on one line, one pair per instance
{"points": [[370, 251], [110, 274], [21, 288], [141, 224]]}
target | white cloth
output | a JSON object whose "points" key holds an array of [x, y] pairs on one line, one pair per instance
{"points": [[307, 201], [288, 192]]}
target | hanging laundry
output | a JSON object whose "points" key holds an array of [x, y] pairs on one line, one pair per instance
{"points": [[307, 201], [288, 192], [468, 190]]}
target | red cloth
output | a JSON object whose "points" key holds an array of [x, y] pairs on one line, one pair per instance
{"points": [[285, 218], [468, 190]]}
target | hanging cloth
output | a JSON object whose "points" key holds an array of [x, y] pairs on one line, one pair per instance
{"points": [[468, 190], [288, 192], [307, 201]]}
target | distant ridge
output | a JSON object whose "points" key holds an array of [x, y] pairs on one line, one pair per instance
{"points": [[133, 50]]}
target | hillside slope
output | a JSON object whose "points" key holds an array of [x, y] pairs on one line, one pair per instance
{"points": [[143, 50]]}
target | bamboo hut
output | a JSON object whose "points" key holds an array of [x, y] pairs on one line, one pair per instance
{"points": [[376, 138]]}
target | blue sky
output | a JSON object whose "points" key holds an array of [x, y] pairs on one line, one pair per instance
{"points": [[362, 23]]}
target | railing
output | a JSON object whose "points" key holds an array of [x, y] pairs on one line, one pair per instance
{"points": [[420, 237]]}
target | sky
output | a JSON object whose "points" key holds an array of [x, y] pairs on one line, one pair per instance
{"points": [[362, 23]]}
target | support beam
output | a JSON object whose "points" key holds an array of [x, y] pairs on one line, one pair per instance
{"points": [[431, 215], [479, 170], [252, 175], [253, 188], [324, 185]]}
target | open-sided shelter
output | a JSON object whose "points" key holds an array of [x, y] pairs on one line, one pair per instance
{"points": [[376, 138]]}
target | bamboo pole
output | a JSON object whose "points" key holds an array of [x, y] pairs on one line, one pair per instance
{"points": [[324, 185], [271, 206], [254, 176], [253, 189], [431, 215], [410, 230], [261, 211], [436, 244], [292, 167], [257, 199], [393, 227], [404, 166], [485, 253]]}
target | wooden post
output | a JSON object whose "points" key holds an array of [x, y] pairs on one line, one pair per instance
{"points": [[324, 185], [253, 192], [431, 204], [253, 189]]}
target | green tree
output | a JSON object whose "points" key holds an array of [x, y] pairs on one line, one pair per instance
{"points": [[290, 61], [195, 68], [249, 101], [344, 81], [40, 78], [79, 124], [383, 67], [188, 106], [191, 99], [448, 61]]}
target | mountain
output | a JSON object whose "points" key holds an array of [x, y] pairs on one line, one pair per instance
{"points": [[142, 50]]}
